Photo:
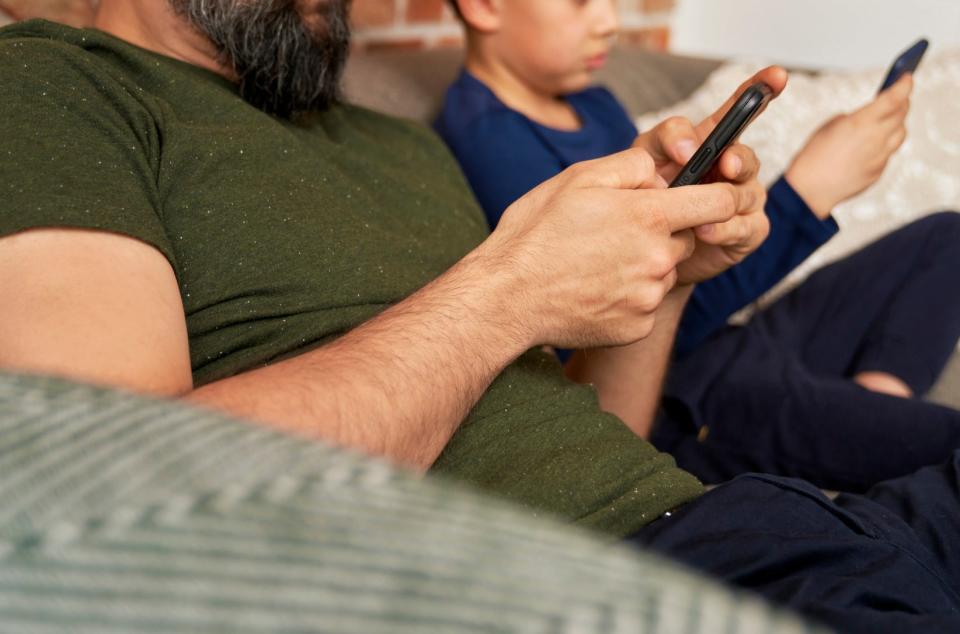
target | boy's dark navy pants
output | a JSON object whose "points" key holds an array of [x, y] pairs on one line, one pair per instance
{"points": [[776, 396], [887, 561]]}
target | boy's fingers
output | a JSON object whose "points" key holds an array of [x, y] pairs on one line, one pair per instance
{"points": [[896, 139], [631, 169], [679, 140], [741, 231], [891, 101], [773, 76], [689, 207], [739, 164], [682, 245]]}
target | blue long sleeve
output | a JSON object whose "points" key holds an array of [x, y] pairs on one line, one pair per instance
{"points": [[795, 233]]}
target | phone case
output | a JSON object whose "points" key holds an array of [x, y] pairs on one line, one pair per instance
{"points": [[908, 62], [743, 112]]}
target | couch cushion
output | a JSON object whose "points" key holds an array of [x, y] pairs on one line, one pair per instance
{"points": [[120, 514], [411, 84]]}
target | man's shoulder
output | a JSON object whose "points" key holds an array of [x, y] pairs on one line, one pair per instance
{"points": [[388, 131], [33, 45], [57, 59]]}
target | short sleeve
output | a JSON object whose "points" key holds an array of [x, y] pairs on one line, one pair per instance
{"points": [[80, 147]]}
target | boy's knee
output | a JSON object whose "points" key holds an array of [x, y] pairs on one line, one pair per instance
{"points": [[935, 233], [943, 223]]}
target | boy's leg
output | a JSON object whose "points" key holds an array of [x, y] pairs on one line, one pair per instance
{"points": [[768, 413], [856, 565], [888, 308], [776, 396]]}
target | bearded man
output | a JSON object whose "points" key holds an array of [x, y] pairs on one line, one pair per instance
{"points": [[190, 211]]}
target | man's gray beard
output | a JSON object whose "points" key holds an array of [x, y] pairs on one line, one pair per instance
{"points": [[284, 66]]}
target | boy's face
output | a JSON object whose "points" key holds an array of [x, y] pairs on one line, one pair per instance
{"points": [[556, 45]]}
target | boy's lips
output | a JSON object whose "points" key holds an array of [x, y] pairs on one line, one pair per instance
{"points": [[597, 61]]}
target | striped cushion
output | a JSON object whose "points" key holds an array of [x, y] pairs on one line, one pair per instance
{"points": [[120, 514]]}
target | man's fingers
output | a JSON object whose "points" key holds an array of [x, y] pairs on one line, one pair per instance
{"points": [[689, 207], [630, 169], [773, 76]]}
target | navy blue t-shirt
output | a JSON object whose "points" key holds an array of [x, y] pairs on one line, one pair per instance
{"points": [[504, 154]]}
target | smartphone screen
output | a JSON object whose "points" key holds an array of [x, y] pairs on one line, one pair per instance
{"points": [[743, 112]]}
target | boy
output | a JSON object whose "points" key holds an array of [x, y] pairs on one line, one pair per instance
{"points": [[820, 386]]}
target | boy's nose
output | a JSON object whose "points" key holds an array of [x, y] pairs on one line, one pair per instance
{"points": [[608, 18]]}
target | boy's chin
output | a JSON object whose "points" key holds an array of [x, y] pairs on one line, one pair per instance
{"points": [[576, 84]]}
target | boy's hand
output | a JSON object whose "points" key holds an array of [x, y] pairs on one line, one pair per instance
{"points": [[673, 142], [621, 239], [850, 152], [723, 245]]}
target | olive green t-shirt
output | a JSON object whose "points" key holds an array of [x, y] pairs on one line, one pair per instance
{"points": [[285, 235]]}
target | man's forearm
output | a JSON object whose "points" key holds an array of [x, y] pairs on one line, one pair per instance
{"points": [[629, 379], [400, 384]]}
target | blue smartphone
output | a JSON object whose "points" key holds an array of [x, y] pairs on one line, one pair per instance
{"points": [[750, 104], [906, 63]]}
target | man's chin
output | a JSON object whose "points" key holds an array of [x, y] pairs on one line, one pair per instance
{"points": [[288, 56]]}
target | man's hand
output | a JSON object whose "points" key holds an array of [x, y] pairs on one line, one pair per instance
{"points": [[619, 240], [850, 152]]}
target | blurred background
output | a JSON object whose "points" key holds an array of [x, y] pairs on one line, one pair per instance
{"points": [[417, 24], [815, 34]]}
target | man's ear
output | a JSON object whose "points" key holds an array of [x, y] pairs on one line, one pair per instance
{"points": [[481, 15]]}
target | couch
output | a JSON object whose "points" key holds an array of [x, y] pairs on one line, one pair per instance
{"points": [[410, 84], [125, 514]]}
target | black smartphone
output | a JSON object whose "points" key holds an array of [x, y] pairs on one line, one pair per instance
{"points": [[745, 110], [908, 62]]}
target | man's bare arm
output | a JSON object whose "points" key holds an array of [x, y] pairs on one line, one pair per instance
{"points": [[106, 309], [400, 384]]}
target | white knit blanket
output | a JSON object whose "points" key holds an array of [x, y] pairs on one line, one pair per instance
{"points": [[923, 177]]}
